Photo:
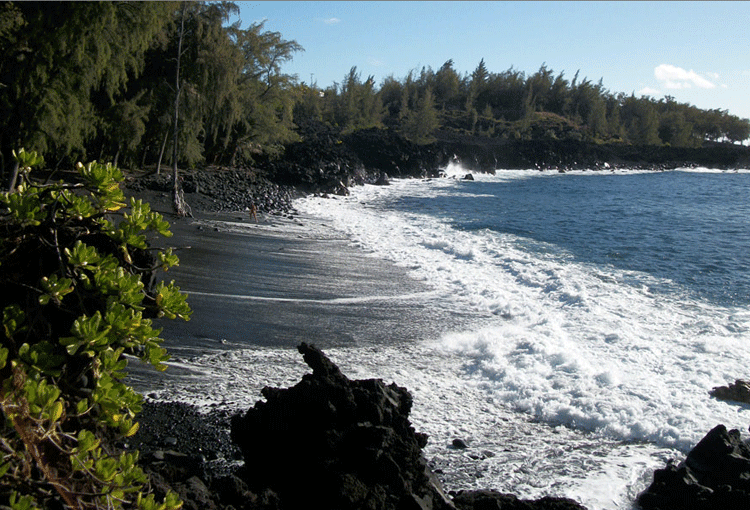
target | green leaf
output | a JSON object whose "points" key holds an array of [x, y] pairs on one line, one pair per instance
{"points": [[82, 255], [13, 317], [56, 411], [55, 289], [82, 406], [171, 302]]}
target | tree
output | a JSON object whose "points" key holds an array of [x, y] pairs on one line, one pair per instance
{"points": [[446, 85], [265, 120], [178, 196], [55, 56], [540, 85], [422, 122], [559, 96], [736, 129], [640, 121], [357, 106], [390, 93]]}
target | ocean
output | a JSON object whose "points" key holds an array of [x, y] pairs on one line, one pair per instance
{"points": [[568, 327]]}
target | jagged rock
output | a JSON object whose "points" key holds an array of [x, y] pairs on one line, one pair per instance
{"points": [[339, 189], [737, 392], [340, 443], [383, 179], [715, 475], [233, 493], [493, 500], [468, 177]]}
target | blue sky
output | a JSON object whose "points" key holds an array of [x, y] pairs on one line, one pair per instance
{"points": [[698, 52]]}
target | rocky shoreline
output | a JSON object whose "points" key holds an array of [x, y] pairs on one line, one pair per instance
{"points": [[337, 442], [349, 444], [328, 162]]}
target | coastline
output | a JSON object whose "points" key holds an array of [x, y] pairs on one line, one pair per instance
{"points": [[293, 259], [303, 282]]}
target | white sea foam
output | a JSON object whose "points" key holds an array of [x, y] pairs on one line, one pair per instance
{"points": [[571, 344]]}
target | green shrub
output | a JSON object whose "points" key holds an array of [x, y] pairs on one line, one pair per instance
{"points": [[78, 294]]}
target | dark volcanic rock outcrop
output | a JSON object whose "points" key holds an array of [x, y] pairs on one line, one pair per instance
{"points": [[492, 500], [337, 442], [327, 442], [737, 392], [714, 476], [346, 444]]}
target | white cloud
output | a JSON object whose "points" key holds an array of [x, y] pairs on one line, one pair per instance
{"points": [[331, 21], [673, 77], [648, 91]]}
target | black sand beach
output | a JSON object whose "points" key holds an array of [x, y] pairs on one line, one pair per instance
{"points": [[280, 281]]}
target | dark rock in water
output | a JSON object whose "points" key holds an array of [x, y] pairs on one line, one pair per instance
{"points": [[340, 443], [459, 444], [468, 177], [737, 392], [341, 190], [492, 500], [383, 179], [715, 475]]}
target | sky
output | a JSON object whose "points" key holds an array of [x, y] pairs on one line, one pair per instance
{"points": [[697, 52]]}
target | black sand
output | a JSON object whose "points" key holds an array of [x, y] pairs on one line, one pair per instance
{"points": [[283, 280]]}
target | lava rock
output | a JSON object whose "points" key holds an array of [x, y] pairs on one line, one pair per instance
{"points": [[459, 444], [737, 392], [383, 180], [715, 475], [341, 443], [216, 189], [493, 500]]}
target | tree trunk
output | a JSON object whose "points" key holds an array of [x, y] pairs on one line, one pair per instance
{"points": [[178, 196], [161, 152], [143, 158]]}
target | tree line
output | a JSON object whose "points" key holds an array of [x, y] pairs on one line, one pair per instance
{"points": [[168, 83], [513, 105]]}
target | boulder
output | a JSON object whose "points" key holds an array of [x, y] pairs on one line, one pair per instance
{"points": [[714, 475], [493, 500], [383, 180], [737, 392], [336, 442]]}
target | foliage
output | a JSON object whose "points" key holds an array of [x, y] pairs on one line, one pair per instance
{"points": [[55, 56], [78, 296], [356, 104], [98, 78], [420, 123]]}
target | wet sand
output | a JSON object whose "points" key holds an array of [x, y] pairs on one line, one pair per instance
{"points": [[281, 281]]}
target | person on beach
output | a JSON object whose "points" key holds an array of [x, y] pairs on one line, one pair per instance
{"points": [[254, 212]]}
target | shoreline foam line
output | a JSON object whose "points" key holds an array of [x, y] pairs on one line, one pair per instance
{"points": [[333, 301]]}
